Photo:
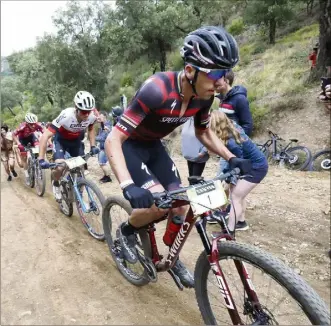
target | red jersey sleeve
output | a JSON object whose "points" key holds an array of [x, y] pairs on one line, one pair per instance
{"points": [[147, 99]]}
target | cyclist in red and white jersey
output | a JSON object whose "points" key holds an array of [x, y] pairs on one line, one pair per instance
{"points": [[25, 134], [164, 102], [68, 129]]}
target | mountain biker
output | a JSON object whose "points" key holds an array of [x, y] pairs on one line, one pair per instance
{"points": [[7, 153], [165, 101], [116, 113], [68, 128], [235, 139], [25, 134]]}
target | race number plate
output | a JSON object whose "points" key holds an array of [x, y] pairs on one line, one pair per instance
{"points": [[210, 195], [75, 162], [35, 150]]}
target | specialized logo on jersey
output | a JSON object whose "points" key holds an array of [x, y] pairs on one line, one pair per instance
{"points": [[174, 120], [144, 167], [175, 170], [173, 105]]}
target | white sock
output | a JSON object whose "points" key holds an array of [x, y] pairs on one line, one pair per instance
{"points": [[26, 173]]}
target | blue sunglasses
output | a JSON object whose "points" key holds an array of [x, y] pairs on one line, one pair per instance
{"points": [[213, 74]]}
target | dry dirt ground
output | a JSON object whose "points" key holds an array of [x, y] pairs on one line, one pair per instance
{"points": [[53, 272]]}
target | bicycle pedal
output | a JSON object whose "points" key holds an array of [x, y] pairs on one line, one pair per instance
{"points": [[176, 279]]}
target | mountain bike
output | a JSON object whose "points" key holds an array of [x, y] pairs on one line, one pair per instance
{"points": [[321, 161], [293, 157], [37, 177], [229, 264], [75, 188]]}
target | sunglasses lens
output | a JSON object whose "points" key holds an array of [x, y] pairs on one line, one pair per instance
{"points": [[216, 74]]}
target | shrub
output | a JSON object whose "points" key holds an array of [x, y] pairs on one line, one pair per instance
{"points": [[237, 26]]}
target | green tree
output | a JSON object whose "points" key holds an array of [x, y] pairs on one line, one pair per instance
{"points": [[269, 13]]}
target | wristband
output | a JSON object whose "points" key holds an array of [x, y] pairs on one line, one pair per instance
{"points": [[126, 183]]}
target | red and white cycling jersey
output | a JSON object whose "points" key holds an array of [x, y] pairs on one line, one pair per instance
{"points": [[66, 125], [25, 130]]}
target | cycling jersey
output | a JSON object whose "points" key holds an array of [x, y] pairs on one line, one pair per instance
{"points": [[67, 127], [25, 130], [154, 111]]}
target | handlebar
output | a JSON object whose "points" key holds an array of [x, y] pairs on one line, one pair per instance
{"points": [[55, 165], [272, 134], [165, 198]]}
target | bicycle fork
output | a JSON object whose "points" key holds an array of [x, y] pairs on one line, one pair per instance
{"points": [[212, 252]]}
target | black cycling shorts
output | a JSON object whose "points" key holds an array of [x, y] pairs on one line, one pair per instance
{"points": [[150, 165], [60, 146]]}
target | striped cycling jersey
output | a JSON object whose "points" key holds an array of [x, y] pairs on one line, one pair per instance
{"points": [[66, 125], [27, 129], [154, 112]]}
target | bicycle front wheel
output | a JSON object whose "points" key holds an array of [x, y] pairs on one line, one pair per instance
{"points": [[291, 302], [31, 172], [93, 200], [40, 180], [321, 161]]}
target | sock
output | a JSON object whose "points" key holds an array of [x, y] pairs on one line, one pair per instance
{"points": [[128, 229], [26, 173], [56, 183]]}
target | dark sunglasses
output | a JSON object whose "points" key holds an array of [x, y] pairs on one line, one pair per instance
{"points": [[84, 112], [213, 74]]}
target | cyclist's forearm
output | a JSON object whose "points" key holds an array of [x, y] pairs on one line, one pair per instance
{"points": [[113, 149], [43, 143], [213, 144], [91, 136]]}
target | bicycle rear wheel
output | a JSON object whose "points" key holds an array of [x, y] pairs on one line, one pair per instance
{"points": [[93, 200], [297, 158], [302, 307], [115, 211]]}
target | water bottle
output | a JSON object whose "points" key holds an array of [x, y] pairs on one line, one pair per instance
{"points": [[172, 230]]}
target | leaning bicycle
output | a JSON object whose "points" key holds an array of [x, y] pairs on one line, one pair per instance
{"points": [[293, 157], [75, 188], [232, 280]]}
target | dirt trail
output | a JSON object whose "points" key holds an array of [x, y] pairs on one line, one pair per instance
{"points": [[53, 272]]}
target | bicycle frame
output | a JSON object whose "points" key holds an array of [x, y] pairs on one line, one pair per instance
{"points": [[212, 252]]}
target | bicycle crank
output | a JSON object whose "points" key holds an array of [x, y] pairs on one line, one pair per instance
{"points": [[149, 267]]}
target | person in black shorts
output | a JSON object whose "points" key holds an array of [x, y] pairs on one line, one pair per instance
{"points": [[165, 101]]}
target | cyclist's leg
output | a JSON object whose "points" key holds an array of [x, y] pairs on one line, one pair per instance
{"points": [[137, 156], [59, 149], [166, 172], [25, 142]]}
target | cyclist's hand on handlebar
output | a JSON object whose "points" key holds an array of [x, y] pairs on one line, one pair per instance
{"points": [[244, 165], [95, 150], [138, 197], [44, 164], [21, 148]]}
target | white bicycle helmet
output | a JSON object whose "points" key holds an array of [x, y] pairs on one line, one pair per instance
{"points": [[84, 101], [31, 118]]}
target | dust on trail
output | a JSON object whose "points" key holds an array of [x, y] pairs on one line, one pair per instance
{"points": [[53, 272]]}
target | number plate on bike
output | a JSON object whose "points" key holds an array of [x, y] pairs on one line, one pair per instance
{"points": [[35, 150], [75, 162], [210, 195]]}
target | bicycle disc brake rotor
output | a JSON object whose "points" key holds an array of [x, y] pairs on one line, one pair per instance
{"points": [[293, 159], [326, 164]]}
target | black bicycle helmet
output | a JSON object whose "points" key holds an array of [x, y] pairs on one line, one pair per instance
{"points": [[117, 111], [210, 47]]}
